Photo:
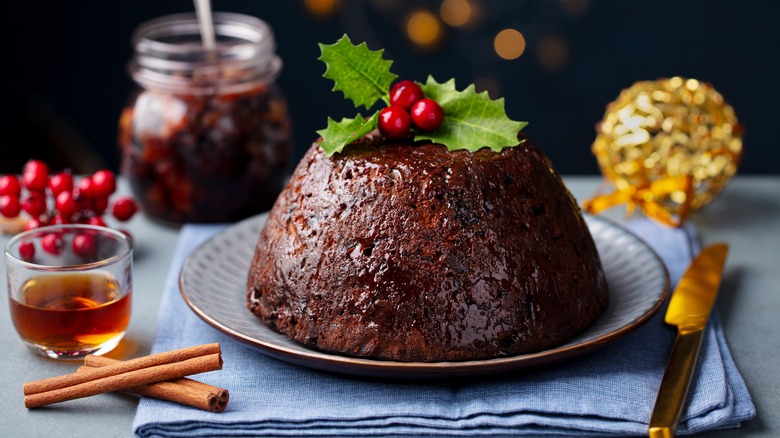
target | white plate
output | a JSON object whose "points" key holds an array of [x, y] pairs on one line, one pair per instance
{"points": [[213, 283]]}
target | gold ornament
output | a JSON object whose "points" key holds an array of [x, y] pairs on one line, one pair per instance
{"points": [[668, 146]]}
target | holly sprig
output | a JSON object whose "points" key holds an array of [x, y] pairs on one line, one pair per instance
{"points": [[360, 73], [471, 120], [339, 134]]}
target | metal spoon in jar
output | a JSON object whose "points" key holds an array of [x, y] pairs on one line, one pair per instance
{"points": [[206, 24]]}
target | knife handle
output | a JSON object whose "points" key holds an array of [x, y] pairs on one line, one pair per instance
{"points": [[675, 384]]}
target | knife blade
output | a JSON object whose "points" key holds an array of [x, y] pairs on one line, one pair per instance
{"points": [[689, 309]]}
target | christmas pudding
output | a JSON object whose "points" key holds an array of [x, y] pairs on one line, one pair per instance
{"points": [[412, 245]]}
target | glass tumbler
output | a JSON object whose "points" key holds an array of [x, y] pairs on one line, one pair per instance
{"points": [[70, 289]]}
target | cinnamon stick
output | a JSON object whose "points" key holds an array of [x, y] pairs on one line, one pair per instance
{"points": [[122, 375], [183, 391], [121, 367]]}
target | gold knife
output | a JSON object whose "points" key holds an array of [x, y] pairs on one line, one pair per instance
{"points": [[689, 310]]}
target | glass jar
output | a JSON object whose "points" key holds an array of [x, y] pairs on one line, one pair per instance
{"points": [[206, 136]]}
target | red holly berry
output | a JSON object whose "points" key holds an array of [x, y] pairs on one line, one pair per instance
{"points": [[66, 204], [9, 186], [34, 203], [103, 183], [52, 243], [61, 182], [27, 250], [10, 206], [405, 94], [394, 122], [84, 245], [35, 175], [427, 115]]}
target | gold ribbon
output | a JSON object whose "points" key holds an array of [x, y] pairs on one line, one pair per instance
{"points": [[649, 198]]}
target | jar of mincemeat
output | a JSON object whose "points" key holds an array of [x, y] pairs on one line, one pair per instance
{"points": [[206, 136]]}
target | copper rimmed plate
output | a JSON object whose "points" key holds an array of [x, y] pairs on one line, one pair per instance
{"points": [[213, 283]]}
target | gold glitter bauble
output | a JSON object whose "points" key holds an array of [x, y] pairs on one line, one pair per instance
{"points": [[668, 129]]}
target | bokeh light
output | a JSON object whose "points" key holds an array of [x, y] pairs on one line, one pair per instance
{"points": [[574, 8], [424, 29], [509, 44], [322, 8], [553, 52], [456, 13]]}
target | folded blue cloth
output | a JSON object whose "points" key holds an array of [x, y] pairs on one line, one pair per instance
{"points": [[608, 392]]}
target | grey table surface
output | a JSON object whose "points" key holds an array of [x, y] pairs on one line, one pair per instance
{"points": [[746, 215]]}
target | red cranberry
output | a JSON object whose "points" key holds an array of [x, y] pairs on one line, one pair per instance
{"points": [[97, 221], [35, 175], [9, 186], [59, 219], [427, 115], [10, 206], [61, 182], [85, 188], [124, 208], [66, 204], [103, 183], [405, 94], [34, 203], [99, 205], [84, 245], [83, 202], [27, 251], [394, 122], [33, 223], [52, 243]]}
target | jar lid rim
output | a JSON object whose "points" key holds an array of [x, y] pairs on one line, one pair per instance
{"points": [[251, 29], [169, 55]]}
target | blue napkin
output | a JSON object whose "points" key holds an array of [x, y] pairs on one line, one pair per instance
{"points": [[609, 392]]}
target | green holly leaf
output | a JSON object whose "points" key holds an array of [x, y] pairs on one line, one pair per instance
{"points": [[361, 74], [471, 120], [339, 134]]}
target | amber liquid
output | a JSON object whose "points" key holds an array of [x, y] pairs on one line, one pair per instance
{"points": [[71, 312]]}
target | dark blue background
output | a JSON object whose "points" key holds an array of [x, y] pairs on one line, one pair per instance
{"points": [[66, 80]]}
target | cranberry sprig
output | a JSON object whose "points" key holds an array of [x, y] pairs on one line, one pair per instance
{"points": [[409, 106], [59, 199]]}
